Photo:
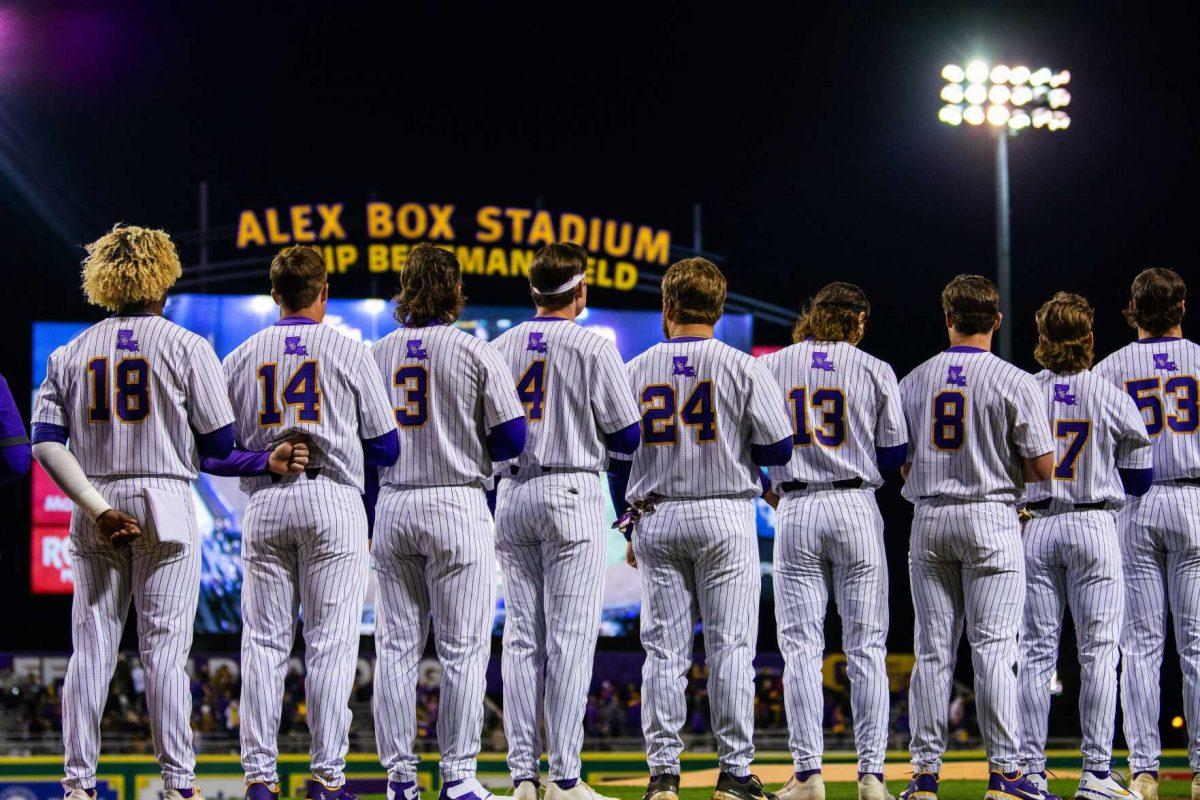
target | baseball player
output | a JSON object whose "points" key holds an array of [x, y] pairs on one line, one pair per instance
{"points": [[14, 444], [549, 530], [139, 399], [1072, 558], [849, 426], [458, 412], [711, 416], [1160, 531], [304, 540], [977, 429]]}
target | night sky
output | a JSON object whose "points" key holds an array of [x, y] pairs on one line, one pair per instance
{"points": [[808, 133]]}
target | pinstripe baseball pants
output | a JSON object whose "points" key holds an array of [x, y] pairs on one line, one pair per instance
{"points": [[1071, 560], [550, 541], [966, 565], [1160, 542], [163, 581], [434, 557], [832, 541], [305, 550], [698, 558]]}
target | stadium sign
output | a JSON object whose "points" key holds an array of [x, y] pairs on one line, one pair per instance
{"points": [[490, 241]]}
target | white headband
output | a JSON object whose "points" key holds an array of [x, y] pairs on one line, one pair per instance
{"points": [[571, 284]]}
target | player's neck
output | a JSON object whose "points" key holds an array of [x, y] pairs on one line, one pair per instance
{"points": [[142, 309], [314, 312], [1173, 333], [690, 330], [980, 341], [567, 312]]}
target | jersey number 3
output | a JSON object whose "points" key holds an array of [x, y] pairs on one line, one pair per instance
{"points": [[130, 394], [302, 390]]}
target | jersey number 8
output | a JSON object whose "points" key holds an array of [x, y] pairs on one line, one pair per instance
{"points": [[949, 420]]}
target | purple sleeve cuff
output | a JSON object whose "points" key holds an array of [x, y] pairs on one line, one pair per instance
{"points": [[382, 451], [891, 458], [1136, 481], [370, 495], [764, 480], [772, 455], [215, 444], [49, 432], [237, 464], [624, 441], [507, 439], [618, 482], [14, 461]]}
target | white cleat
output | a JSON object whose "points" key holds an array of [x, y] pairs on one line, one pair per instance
{"points": [[580, 791], [1145, 786], [1092, 787], [527, 790], [811, 789], [871, 788]]}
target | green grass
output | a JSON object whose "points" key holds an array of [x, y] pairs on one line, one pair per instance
{"points": [[949, 790]]}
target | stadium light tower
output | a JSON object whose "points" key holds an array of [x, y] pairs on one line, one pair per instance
{"points": [[1007, 100]]}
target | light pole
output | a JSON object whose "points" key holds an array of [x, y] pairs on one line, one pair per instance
{"points": [[1008, 100]]}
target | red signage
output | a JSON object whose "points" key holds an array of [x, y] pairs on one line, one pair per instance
{"points": [[50, 568]]}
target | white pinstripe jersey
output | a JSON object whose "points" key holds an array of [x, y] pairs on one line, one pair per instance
{"points": [[971, 418], [573, 385], [132, 392], [844, 403], [310, 381], [703, 404], [448, 388], [1161, 376], [1097, 428]]}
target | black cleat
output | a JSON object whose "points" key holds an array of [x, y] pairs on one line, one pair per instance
{"points": [[730, 788], [662, 787]]}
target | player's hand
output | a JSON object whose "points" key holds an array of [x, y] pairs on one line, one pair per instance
{"points": [[772, 499], [288, 458], [117, 526], [630, 558]]}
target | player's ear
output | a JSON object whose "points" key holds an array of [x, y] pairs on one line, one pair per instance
{"points": [[325, 292], [999, 319], [275, 297]]}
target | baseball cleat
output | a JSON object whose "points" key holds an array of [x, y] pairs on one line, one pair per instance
{"points": [[580, 791], [257, 790], [1015, 786], [664, 786], [183, 794], [748, 788], [812, 788], [319, 791], [1145, 785], [1093, 787], [466, 789], [923, 786], [80, 794], [527, 790], [402, 790], [1039, 780], [871, 788]]}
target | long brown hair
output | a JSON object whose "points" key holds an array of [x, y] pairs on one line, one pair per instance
{"points": [[1064, 326], [834, 314], [430, 288]]}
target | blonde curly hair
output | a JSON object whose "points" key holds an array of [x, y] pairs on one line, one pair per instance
{"points": [[130, 266]]}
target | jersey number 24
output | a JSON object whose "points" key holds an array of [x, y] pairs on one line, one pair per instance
{"points": [[659, 411]]}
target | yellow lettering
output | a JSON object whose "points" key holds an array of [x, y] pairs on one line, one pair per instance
{"points": [[399, 257], [589, 275], [302, 224], [518, 217], [593, 234], [652, 246], [249, 231], [521, 261], [331, 221], [411, 220], [490, 226], [470, 259], [626, 277], [497, 264], [379, 220], [441, 227], [377, 257], [346, 255], [572, 228], [602, 278], [612, 246], [327, 254], [274, 235], [542, 229]]}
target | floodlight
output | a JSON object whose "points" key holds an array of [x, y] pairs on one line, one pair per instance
{"points": [[1018, 75], [1040, 76], [951, 115], [999, 94], [952, 93], [953, 73], [1019, 121], [1061, 79], [997, 115], [977, 72], [1058, 98], [1021, 95], [973, 115], [999, 74], [976, 94]]}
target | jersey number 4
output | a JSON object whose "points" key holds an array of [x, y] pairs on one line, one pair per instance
{"points": [[659, 412], [531, 390], [302, 391], [130, 395]]}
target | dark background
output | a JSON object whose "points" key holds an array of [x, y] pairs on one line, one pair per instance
{"points": [[807, 131]]}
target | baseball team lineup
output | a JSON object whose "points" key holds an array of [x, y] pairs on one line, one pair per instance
{"points": [[434, 457]]}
